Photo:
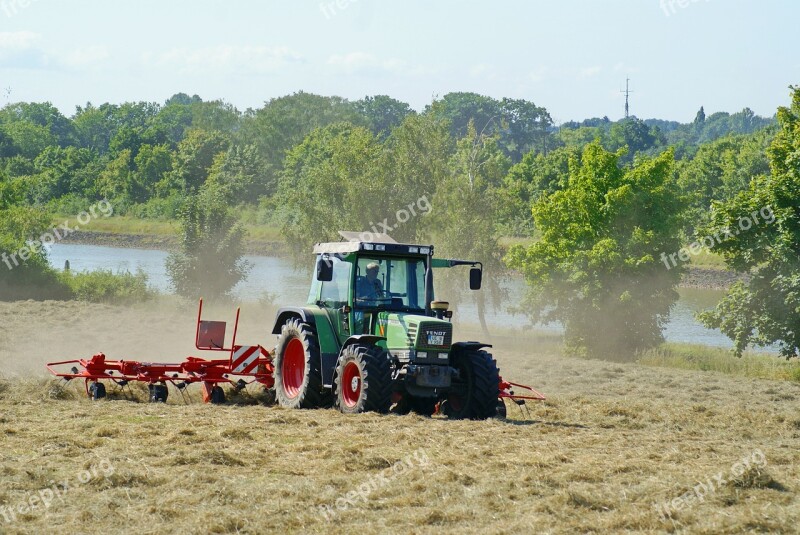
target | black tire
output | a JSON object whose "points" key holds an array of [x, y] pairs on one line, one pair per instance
{"points": [[158, 393], [474, 394], [217, 395], [299, 386], [363, 380], [97, 390], [502, 412]]}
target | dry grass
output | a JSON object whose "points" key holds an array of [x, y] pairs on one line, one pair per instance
{"points": [[611, 441]]}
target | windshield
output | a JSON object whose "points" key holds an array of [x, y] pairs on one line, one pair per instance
{"points": [[390, 283]]}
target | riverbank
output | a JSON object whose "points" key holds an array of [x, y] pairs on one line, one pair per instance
{"points": [[697, 277], [163, 242]]}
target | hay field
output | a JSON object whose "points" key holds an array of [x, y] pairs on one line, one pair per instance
{"points": [[616, 448]]}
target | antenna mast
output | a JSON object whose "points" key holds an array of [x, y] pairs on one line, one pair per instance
{"points": [[627, 94]]}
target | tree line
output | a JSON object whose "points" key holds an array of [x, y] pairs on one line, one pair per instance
{"points": [[493, 172]]}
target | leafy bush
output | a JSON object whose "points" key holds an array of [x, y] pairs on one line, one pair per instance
{"points": [[157, 208], [103, 286]]}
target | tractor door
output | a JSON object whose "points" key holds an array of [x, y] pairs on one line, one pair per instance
{"points": [[334, 295]]}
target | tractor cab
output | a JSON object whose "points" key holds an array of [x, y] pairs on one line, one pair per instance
{"points": [[365, 285]]}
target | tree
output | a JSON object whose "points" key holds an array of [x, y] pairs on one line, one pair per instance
{"points": [[760, 231], [240, 172], [284, 123], [383, 113], [700, 118], [194, 158], [597, 266], [209, 262], [720, 170], [526, 128], [463, 218], [635, 135], [333, 181], [536, 175], [416, 159], [24, 270], [462, 108]]}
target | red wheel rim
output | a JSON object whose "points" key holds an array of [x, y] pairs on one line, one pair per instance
{"points": [[293, 368], [351, 384]]}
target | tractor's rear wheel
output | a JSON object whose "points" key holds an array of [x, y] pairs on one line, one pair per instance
{"points": [[423, 406], [298, 375], [363, 380], [474, 394]]}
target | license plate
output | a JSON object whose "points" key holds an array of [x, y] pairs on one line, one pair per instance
{"points": [[435, 339]]}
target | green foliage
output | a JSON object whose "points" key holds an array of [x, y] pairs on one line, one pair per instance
{"points": [[596, 268], [416, 159], [634, 135], [332, 181], [463, 218], [241, 173], [284, 122], [521, 125], [527, 181], [721, 169], [209, 262], [194, 158], [24, 271], [762, 226], [383, 113], [103, 286]]}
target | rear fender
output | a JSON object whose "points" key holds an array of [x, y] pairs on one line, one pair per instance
{"points": [[469, 346], [287, 313]]}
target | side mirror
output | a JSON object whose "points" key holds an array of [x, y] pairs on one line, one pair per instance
{"points": [[475, 278], [324, 269]]}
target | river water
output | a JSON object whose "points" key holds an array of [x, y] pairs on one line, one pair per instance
{"points": [[289, 286]]}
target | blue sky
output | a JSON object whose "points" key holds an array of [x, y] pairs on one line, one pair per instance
{"points": [[571, 56]]}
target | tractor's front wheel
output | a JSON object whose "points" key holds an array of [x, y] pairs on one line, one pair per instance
{"points": [[474, 394], [298, 375], [363, 380]]}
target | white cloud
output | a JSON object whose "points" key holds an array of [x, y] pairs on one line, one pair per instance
{"points": [[364, 63], [225, 59], [15, 41], [483, 70], [588, 72], [538, 74], [23, 50], [85, 57]]}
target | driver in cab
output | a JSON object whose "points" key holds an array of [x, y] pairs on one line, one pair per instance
{"points": [[370, 287]]}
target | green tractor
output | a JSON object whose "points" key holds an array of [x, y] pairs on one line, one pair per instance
{"points": [[372, 337]]}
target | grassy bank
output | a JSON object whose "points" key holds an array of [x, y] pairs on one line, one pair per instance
{"points": [[704, 358], [154, 227]]}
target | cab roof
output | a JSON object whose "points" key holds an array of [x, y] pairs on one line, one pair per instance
{"points": [[353, 242]]}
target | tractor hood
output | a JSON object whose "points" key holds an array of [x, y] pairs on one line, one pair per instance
{"points": [[405, 331]]}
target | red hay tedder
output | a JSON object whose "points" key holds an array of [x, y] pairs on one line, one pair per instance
{"points": [[371, 338]]}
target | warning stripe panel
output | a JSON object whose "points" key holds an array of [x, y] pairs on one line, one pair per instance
{"points": [[245, 358]]}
